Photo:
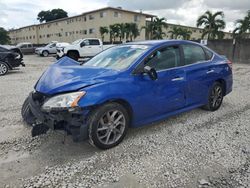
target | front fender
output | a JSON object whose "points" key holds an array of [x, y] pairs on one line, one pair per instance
{"points": [[100, 93]]}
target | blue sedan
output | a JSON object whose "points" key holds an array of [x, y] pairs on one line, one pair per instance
{"points": [[129, 85]]}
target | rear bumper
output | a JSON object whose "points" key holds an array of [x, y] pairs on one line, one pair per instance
{"points": [[71, 122]]}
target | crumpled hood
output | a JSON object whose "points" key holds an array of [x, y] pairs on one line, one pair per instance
{"points": [[68, 75]]}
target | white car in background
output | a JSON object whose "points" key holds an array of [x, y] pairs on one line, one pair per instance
{"points": [[82, 48], [50, 48]]}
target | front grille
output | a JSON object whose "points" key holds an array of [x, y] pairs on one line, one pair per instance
{"points": [[39, 98]]}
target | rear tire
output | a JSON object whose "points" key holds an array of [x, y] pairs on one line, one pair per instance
{"points": [[26, 113], [73, 55], [108, 125], [215, 97], [4, 68]]}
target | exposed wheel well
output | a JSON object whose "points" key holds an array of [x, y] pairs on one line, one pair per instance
{"points": [[126, 105], [223, 83], [74, 51]]}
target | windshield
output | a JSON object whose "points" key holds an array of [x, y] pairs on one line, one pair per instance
{"points": [[118, 58], [76, 42]]}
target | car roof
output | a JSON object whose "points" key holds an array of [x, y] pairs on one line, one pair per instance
{"points": [[160, 42]]}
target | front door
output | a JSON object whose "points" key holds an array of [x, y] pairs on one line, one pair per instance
{"points": [[167, 93]]}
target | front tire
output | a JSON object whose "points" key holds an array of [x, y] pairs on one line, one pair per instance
{"points": [[215, 97], [45, 53], [108, 125], [26, 113], [4, 68]]}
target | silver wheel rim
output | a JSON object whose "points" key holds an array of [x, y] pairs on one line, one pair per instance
{"points": [[3, 69], [216, 97], [111, 127], [45, 54]]}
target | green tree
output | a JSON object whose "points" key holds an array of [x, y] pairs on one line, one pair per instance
{"points": [[178, 32], [133, 31], [51, 15], [242, 29], [154, 29], [103, 30], [4, 37], [185, 33], [175, 32], [213, 24]]}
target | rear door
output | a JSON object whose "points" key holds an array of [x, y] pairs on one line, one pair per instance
{"points": [[198, 74]]}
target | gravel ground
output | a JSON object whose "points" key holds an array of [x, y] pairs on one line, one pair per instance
{"points": [[194, 149]]}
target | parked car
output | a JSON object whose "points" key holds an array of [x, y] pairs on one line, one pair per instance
{"points": [[10, 58], [47, 50], [129, 85], [26, 47], [83, 48]]}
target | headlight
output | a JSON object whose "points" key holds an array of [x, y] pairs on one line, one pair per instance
{"points": [[65, 101]]}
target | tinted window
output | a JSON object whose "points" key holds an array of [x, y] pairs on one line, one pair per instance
{"points": [[193, 54], [208, 53], [94, 42], [164, 58]]}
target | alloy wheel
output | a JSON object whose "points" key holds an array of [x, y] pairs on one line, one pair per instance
{"points": [[3, 69], [111, 127], [216, 96]]}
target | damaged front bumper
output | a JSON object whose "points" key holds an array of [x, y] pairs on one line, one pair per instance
{"points": [[73, 122]]}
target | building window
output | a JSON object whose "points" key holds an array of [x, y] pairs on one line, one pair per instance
{"points": [[117, 14], [85, 32], [76, 32], [34, 36], [66, 34], [91, 31], [102, 14], [91, 17], [85, 18], [137, 18]]}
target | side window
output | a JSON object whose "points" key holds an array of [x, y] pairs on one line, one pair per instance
{"points": [[193, 54], [86, 42], [94, 42], [53, 45], [164, 58], [209, 54], [24, 46]]}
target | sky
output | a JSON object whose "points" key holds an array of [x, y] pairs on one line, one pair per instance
{"points": [[19, 13]]}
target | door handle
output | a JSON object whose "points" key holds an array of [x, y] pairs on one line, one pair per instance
{"points": [[177, 79], [210, 71]]}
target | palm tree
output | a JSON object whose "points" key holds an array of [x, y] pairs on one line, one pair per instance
{"points": [[113, 32], [175, 32], [133, 31], [212, 23], [154, 29], [103, 30], [159, 24], [178, 32], [242, 28], [185, 33]]}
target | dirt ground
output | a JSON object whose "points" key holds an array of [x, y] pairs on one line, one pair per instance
{"points": [[194, 149]]}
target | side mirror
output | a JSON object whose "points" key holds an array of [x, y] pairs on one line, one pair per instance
{"points": [[151, 72]]}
